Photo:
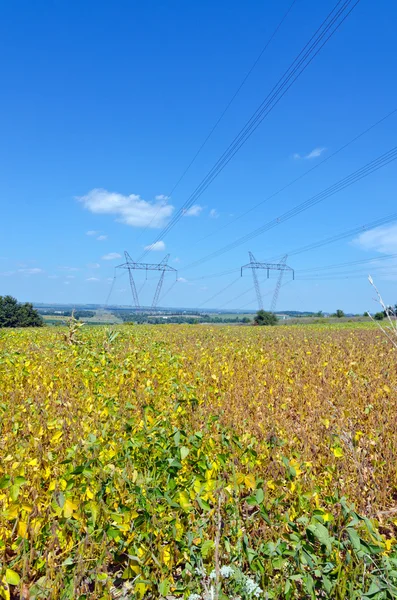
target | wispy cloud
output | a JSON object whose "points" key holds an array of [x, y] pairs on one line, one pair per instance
{"points": [[7, 273], [156, 247], [315, 153], [111, 256], [93, 265], [102, 238], [176, 259], [182, 280], [53, 276], [193, 211], [162, 197], [70, 277], [382, 239], [92, 232], [33, 271], [214, 213], [68, 268], [131, 210], [92, 279]]}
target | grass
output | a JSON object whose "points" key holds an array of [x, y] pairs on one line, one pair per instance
{"points": [[124, 453]]}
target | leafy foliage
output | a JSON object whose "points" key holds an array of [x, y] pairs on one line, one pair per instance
{"points": [[145, 462], [264, 317], [13, 314]]}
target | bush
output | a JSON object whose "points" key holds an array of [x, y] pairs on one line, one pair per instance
{"points": [[379, 316], [13, 314], [264, 317]]}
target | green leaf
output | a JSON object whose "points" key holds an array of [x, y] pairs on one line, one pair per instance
{"points": [[206, 547], [12, 578], [321, 533], [164, 587], [14, 492], [374, 589], [5, 482], [259, 495], [327, 583], [354, 538], [20, 481], [184, 452], [203, 504]]}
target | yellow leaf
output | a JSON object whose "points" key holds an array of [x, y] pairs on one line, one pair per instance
{"points": [[166, 555], [250, 481], [338, 452], [68, 508], [140, 589], [270, 484], [57, 436], [22, 529], [11, 512], [12, 577], [4, 591], [184, 501]]}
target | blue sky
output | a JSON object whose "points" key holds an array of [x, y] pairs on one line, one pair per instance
{"points": [[103, 106]]}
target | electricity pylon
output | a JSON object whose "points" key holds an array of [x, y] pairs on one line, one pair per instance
{"points": [[256, 282], [254, 265], [131, 266], [278, 285]]}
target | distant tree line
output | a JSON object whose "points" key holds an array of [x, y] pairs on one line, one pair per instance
{"points": [[138, 318], [15, 314], [78, 314]]}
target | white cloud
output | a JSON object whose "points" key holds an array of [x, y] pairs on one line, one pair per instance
{"points": [[182, 280], [53, 276], [156, 247], [93, 265], [193, 211], [214, 213], [7, 273], [162, 197], [66, 282], [111, 256], [204, 288], [92, 279], [92, 232], [382, 239], [33, 271], [131, 210], [315, 153], [176, 259], [68, 269], [102, 238]]}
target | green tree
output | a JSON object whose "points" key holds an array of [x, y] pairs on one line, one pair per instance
{"points": [[264, 317], [379, 316], [339, 313], [13, 314]]}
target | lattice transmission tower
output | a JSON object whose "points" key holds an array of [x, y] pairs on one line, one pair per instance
{"points": [[254, 265], [130, 265]]}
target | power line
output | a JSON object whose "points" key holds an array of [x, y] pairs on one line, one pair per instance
{"points": [[328, 27], [340, 185], [329, 240], [347, 264], [220, 292], [263, 50], [293, 181], [343, 235]]}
